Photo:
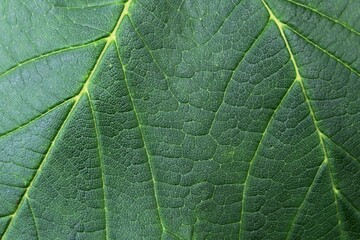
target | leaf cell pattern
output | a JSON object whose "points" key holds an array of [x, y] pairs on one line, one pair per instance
{"points": [[146, 119]]}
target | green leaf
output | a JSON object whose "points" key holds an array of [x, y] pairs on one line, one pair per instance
{"points": [[167, 119]]}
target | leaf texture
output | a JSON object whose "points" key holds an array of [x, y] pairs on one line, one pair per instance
{"points": [[166, 119]]}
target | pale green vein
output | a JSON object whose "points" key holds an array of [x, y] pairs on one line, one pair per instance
{"points": [[302, 205], [53, 108], [345, 64], [233, 74], [76, 99], [341, 148], [102, 165], [109, 40], [155, 61], [45, 55], [325, 16], [164, 22], [251, 164], [33, 217], [150, 163], [336, 192], [224, 20], [281, 26], [25, 196], [12, 186], [20, 165], [18, 176], [88, 6], [174, 7], [350, 203], [85, 90], [174, 234]]}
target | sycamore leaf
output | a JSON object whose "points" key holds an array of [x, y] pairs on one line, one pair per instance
{"points": [[168, 119]]}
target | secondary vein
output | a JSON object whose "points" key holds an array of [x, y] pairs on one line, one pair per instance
{"points": [[154, 182], [44, 55], [233, 73], [337, 59], [102, 164], [325, 16], [35, 118], [38, 171], [321, 137], [33, 217], [256, 153], [153, 57], [76, 100]]}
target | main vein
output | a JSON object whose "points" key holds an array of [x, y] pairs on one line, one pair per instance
{"points": [[76, 99], [321, 136]]}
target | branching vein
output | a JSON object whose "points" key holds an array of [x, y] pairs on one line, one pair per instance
{"points": [[76, 100], [33, 217], [150, 163], [25, 196], [233, 74], [256, 154], [45, 55], [345, 64], [321, 137], [102, 164], [35, 118], [325, 16]]}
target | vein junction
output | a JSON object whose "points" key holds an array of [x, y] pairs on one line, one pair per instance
{"points": [[76, 99], [298, 78]]}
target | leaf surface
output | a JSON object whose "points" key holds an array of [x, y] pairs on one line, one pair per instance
{"points": [[165, 119]]}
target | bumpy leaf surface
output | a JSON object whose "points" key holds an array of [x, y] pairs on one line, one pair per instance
{"points": [[169, 119]]}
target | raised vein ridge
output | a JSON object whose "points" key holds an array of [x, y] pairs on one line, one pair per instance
{"points": [[44, 55], [325, 16], [233, 73], [76, 99], [154, 183], [321, 136]]}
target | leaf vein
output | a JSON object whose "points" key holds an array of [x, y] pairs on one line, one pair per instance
{"points": [[47, 54], [152, 56], [233, 74], [324, 15], [102, 164], [256, 153], [38, 171], [33, 217], [53, 108], [342, 148], [141, 131], [350, 203], [76, 99], [302, 205], [345, 64], [299, 78]]}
